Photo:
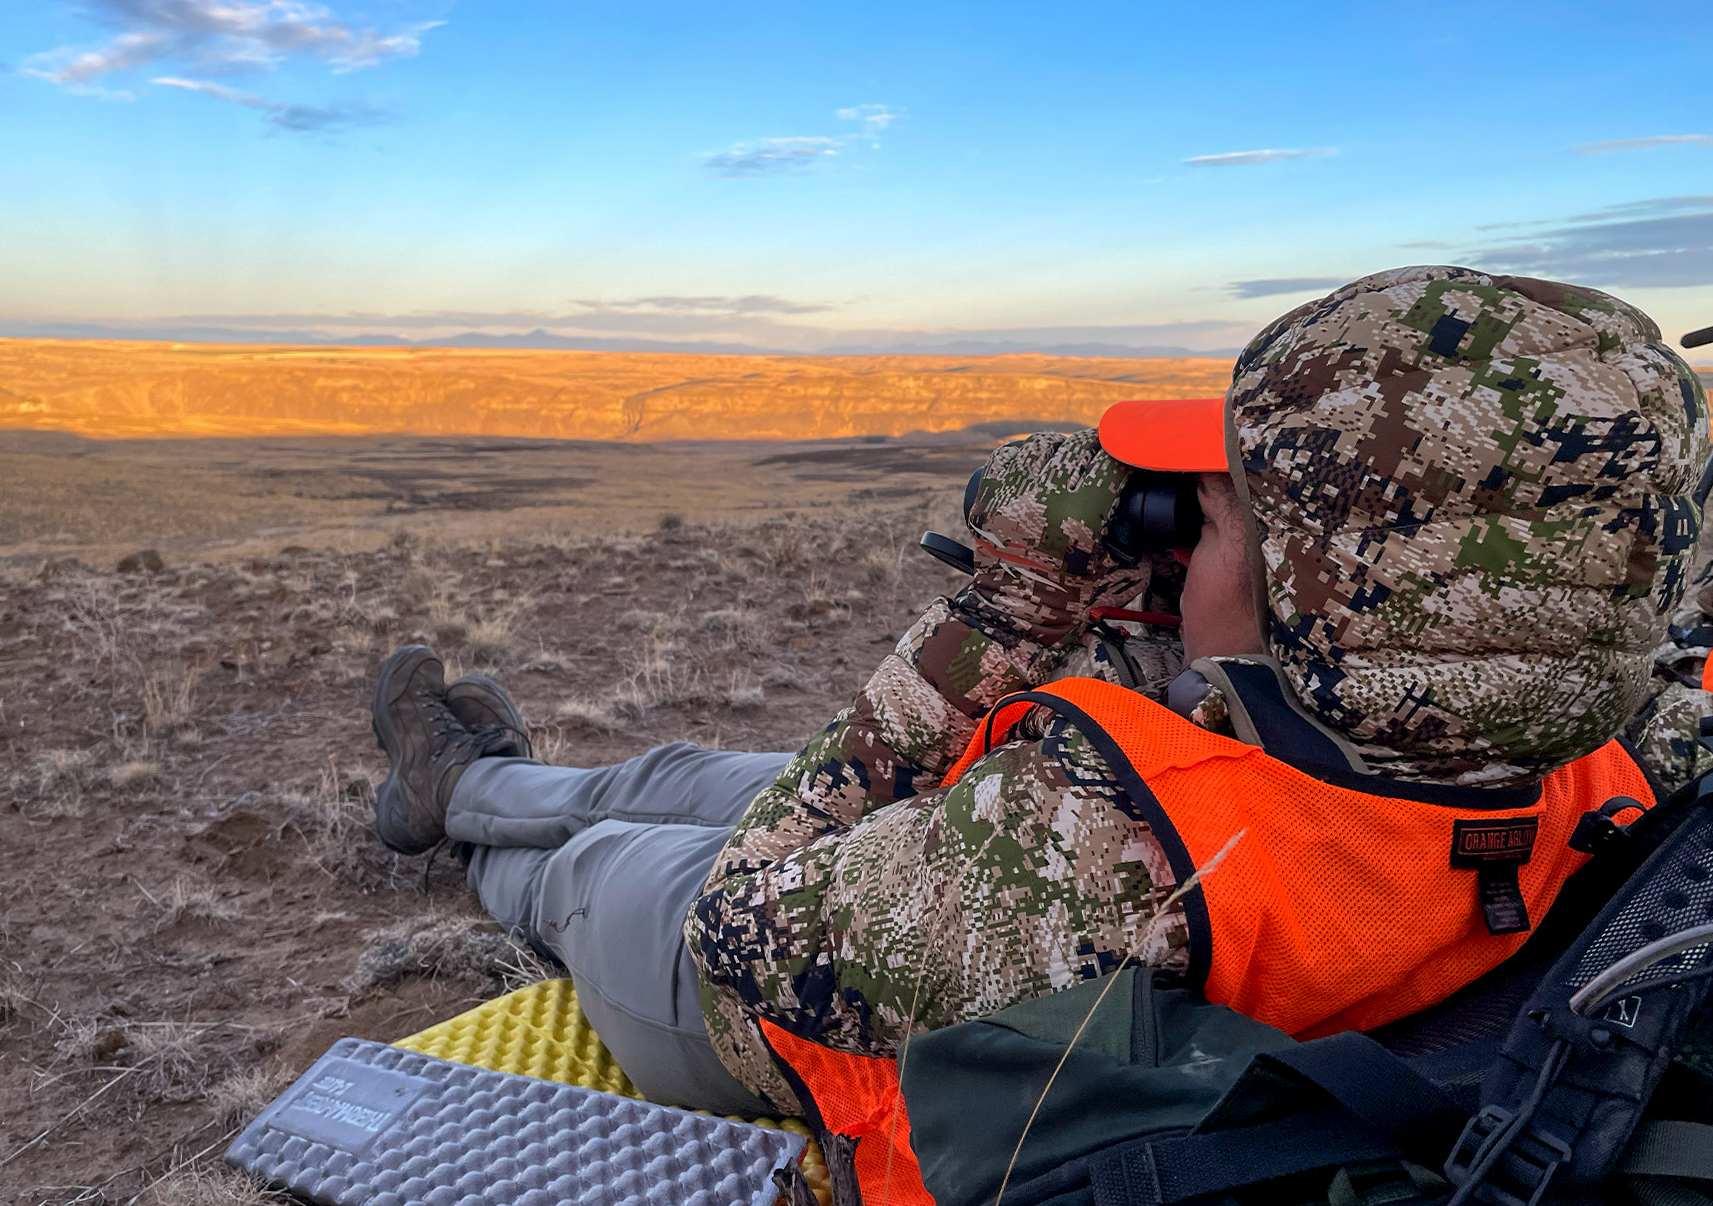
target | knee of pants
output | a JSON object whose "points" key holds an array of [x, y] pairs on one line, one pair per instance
{"points": [[507, 880], [611, 904]]}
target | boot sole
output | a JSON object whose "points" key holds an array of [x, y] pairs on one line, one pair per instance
{"points": [[390, 687]]}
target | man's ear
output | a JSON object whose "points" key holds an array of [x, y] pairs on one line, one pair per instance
{"points": [[1251, 529]]}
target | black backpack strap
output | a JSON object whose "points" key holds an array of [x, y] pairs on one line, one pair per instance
{"points": [[1163, 1171], [1384, 1110], [1670, 1149], [1593, 1041], [1376, 1086]]}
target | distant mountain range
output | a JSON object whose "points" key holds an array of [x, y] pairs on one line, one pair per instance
{"points": [[106, 388], [547, 341]]}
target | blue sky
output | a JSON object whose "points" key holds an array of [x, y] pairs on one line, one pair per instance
{"points": [[814, 176]]}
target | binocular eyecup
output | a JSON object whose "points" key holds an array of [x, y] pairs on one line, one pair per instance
{"points": [[1156, 513]]}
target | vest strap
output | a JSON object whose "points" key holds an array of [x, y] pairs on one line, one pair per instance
{"points": [[1058, 697]]}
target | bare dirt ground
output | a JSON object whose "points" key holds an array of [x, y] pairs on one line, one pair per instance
{"points": [[66, 496], [194, 907]]}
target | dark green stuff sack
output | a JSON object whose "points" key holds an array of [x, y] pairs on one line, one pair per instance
{"points": [[1153, 1059]]}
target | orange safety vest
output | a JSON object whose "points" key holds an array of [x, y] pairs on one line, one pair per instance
{"points": [[1340, 908]]}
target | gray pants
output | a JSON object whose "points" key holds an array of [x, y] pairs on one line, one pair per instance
{"points": [[600, 867]]}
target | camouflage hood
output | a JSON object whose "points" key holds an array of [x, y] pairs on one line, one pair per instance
{"points": [[1472, 499]]}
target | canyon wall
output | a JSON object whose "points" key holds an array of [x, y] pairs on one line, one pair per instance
{"points": [[130, 389]]}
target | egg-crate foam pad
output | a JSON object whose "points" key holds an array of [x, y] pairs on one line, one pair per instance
{"points": [[541, 1030], [538, 1030], [385, 1126]]}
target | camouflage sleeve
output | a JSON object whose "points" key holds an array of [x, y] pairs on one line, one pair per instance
{"points": [[1666, 730], [1041, 567], [1033, 872], [905, 728], [915, 715]]}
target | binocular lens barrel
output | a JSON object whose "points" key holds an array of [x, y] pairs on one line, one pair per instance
{"points": [[1157, 512]]}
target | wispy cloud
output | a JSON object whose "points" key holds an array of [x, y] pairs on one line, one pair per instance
{"points": [[1663, 242], [779, 156], [754, 303], [1271, 155], [299, 119], [772, 156], [1645, 144], [224, 36], [1286, 284], [874, 118]]}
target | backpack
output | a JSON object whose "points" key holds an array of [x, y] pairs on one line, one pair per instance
{"points": [[1580, 1070]]}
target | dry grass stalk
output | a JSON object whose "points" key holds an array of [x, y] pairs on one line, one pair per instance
{"points": [[167, 1060], [169, 699], [66, 770], [494, 636], [171, 1058], [335, 817], [881, 566], [185, 901], [62, 776], [358, 641], [136, 773], [585, 713], [210, 1185], [446, 616], [16, 997], [238, 1098], [467, 949]]}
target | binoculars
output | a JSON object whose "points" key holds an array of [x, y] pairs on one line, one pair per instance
{"points": [[1156, 512]]}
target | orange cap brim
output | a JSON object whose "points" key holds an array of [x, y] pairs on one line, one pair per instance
{"points": [[1176, 435]]}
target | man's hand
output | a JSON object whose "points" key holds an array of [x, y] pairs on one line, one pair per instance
{"points": [[1038, 520]]}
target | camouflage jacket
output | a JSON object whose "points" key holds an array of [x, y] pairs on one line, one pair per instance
{"points": [[858, 896]]}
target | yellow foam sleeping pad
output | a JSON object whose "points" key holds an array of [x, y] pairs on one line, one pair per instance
{"points": [[540, 1031]]}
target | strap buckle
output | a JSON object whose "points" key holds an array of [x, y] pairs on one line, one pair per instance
{"points": [[1519, 1165], [1597, 833]]}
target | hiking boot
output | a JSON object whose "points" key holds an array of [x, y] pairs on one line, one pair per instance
{"points": [[482, 706], [426, 748]]}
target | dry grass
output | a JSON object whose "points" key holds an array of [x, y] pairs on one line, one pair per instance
{"points": [[185, 901], [166, 1061], [169, 699], [880, 566], [470, 950], [211, 1185], [236, 1099], [553, 745], [58, 786], [172, 1058], [580, 712], [17, 997], [494, 636], [138, 772], [335, 815], [66, 771]]}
